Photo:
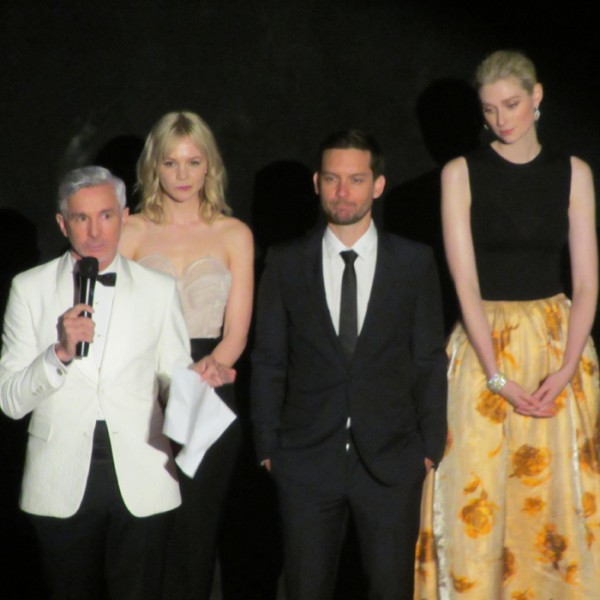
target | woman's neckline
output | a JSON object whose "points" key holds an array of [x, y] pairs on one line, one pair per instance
{"points": [[507, 161], [188, 267]]}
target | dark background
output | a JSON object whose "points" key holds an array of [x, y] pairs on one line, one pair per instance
{"points": [[83, 82], [271, 78]]}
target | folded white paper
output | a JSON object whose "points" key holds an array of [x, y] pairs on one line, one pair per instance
{"points": [[195, 418]]}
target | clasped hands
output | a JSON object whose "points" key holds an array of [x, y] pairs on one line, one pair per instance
{"points": [[542, 402], [213, 372]]}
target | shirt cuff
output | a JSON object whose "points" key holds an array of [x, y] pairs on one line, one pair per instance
{"points": [[55, 369]]}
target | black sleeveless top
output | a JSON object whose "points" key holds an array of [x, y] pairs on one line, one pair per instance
{"points": [[519, 223]]}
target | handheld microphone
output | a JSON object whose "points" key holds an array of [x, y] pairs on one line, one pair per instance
{"points": [[88, 271]]}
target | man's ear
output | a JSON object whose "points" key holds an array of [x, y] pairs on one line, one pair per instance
{"points": [[61, 224], [316, 182], [378, 186]]}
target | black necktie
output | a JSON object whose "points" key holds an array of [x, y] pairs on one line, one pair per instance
{"points": [[107, 279], [348, 330]]}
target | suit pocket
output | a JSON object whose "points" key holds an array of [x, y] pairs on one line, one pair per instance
{"points": [[40, 427]]}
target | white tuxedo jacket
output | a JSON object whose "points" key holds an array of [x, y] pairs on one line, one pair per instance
{"points": [[146, 338]]}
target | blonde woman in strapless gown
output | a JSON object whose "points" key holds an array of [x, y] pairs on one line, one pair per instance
{"points": [[184, 229]]}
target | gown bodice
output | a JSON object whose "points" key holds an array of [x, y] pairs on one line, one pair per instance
{"points": [[204, 289]]}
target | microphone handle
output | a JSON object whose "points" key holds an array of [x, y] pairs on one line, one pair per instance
{"points": [[86, 296]]}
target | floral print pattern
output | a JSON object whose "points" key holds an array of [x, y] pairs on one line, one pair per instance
{"points": [[513, 510]]}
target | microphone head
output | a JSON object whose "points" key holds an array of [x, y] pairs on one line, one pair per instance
{"points": [[88, 267]]}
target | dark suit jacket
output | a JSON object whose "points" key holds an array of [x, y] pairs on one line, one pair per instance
{"points": [[394, 388]]}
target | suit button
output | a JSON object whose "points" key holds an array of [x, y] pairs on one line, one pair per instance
{"points": [[348, 447]]}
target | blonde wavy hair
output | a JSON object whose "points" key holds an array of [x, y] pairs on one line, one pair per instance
{"points": [[505, 64], [168, 128]]}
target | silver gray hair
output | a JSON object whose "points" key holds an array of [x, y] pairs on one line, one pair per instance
{"points": [[86, 177]]}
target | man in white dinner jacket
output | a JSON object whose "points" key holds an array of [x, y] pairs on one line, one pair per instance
{"points": [[99, 479]]}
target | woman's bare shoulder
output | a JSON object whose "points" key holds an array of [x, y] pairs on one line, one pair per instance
{"points": [[135, 229], [233, 228], [580, 168], [455, 170], [138, 222]]}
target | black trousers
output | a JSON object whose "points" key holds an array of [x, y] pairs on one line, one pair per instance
{"points": [[192, 549], [103, 551], [314, 525]]}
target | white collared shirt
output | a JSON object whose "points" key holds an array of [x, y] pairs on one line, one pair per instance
{"points": [[333, 270], [103, 301]]}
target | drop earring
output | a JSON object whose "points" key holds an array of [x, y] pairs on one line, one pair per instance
{"points": [[536, 114]]}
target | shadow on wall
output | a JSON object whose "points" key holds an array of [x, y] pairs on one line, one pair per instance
{"points": [[120, 157], [284, 203], [18, 551], [450, 121], [18, 248]]}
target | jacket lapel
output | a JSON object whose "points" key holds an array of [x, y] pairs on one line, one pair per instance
{"points": [[379, 302], [65, 282], [313, 274]]}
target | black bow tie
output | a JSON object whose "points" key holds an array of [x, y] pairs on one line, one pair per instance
{"points": [[108, 279]]}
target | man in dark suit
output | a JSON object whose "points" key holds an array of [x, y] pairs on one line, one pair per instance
{"points": [[349, 382]]}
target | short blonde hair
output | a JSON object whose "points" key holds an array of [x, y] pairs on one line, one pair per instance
{"points": [[168, 128], [505, 64]]}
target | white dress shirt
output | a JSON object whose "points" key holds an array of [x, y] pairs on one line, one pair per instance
{"points": [[103, 301], [333, 271]]}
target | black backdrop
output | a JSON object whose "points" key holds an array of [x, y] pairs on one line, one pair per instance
{"points": [[82, 82]]}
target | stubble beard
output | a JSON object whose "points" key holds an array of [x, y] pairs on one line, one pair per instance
{"points": [[349, 219]]}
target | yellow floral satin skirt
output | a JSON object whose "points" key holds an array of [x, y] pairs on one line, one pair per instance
{"points": [[513, 511]]}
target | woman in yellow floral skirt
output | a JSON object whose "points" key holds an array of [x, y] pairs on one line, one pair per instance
{"points": [[513, 511]]}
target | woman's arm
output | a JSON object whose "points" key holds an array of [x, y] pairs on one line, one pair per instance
{"points": [[584, 271], [240, 249], [460, 253]]}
